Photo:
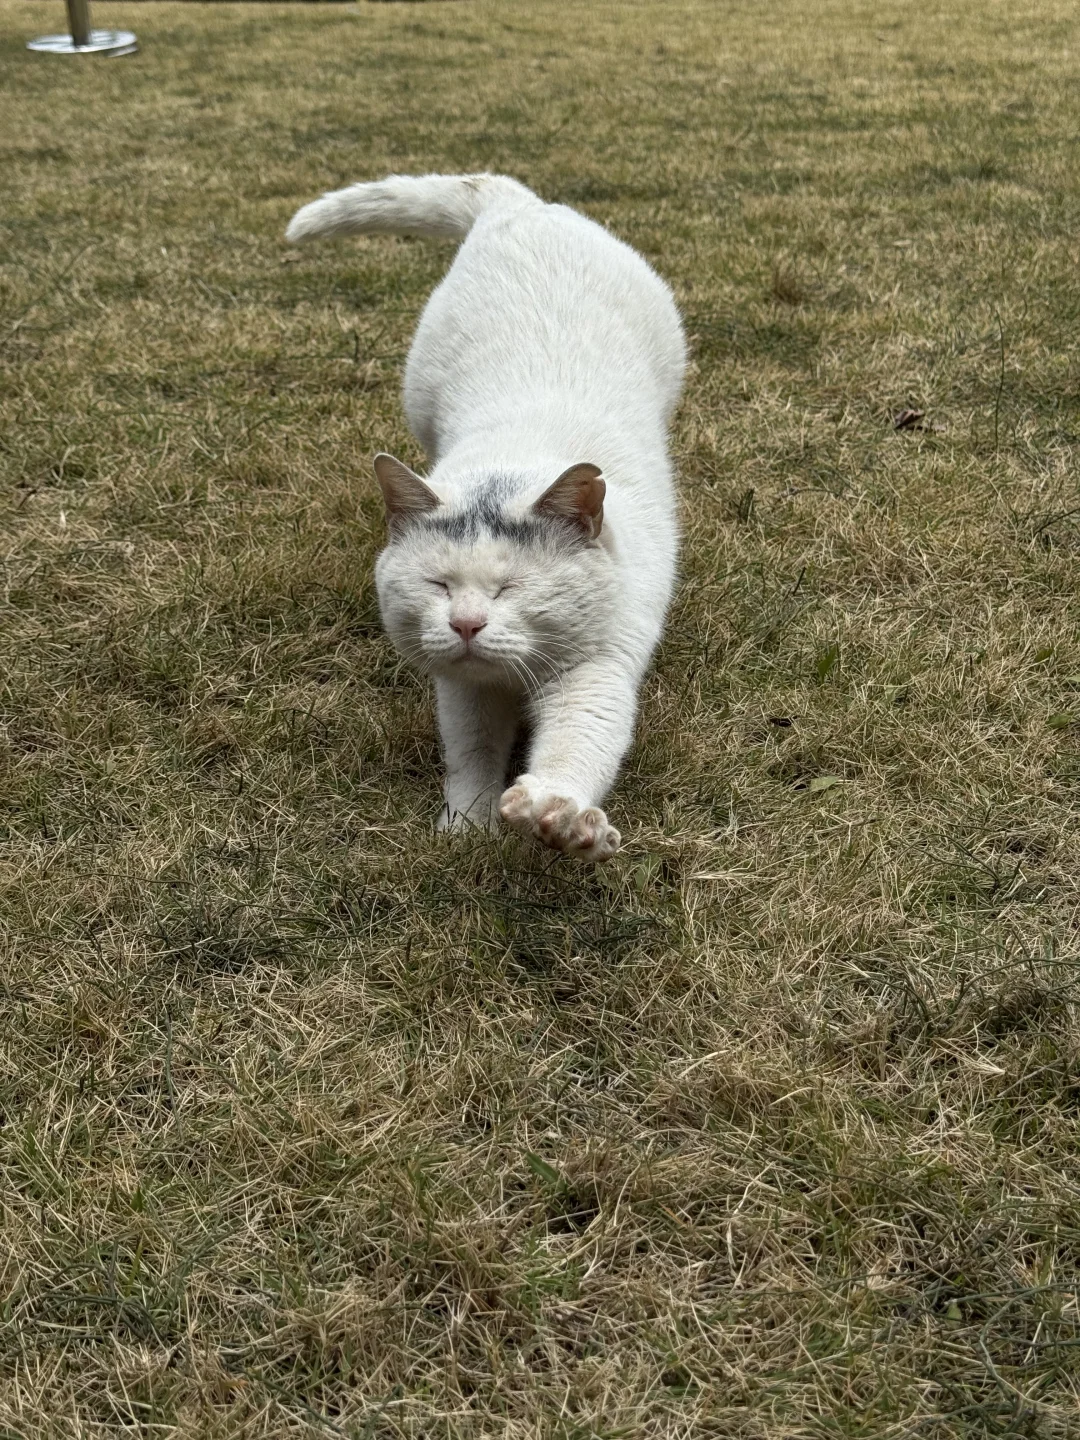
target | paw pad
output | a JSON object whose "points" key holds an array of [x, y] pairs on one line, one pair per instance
{"points": [[557, 821]]}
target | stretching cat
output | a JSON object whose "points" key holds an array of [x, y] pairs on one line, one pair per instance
{"points": [[530, 572]]}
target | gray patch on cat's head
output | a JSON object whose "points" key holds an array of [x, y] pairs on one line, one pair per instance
{"points": [[483, 515]]}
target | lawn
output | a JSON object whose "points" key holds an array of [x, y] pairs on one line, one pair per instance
{"points": [[316, 1123]]}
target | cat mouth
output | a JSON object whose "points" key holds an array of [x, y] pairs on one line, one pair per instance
{"points": [[455, 658], [470, 656]]}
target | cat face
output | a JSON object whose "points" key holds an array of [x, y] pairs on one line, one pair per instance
{"points": [[491, 591]]}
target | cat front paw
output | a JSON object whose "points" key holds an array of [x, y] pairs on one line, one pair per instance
{"points": [[555, 820]]}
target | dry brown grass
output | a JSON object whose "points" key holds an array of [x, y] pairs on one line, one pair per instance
{"points": [[314, 1123]]}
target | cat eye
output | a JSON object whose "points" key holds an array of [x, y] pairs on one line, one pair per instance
{"points": [[507, 585], [440, 585]]}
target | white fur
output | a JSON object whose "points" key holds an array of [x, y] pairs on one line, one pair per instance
{"points": [[549, 343]]}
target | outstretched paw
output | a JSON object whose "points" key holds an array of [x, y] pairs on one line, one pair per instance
{"points": [[532, 809]]}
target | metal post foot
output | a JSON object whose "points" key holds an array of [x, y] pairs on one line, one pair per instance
{"points": [[98, 42], [83, 40]]}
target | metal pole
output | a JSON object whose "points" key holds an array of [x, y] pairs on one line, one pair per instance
{"points": [[79, 21], [82, 40]]}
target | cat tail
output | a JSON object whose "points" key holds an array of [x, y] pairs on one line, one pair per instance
{"points": [[436, 207]]}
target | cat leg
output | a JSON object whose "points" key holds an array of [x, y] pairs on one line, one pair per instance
{"points": [[584, 725], [477, 725]]}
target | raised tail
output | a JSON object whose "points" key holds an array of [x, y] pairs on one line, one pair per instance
{"points": [[437, 207]]}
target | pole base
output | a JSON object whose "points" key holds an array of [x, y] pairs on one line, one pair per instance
{"points": [[102, 42]]}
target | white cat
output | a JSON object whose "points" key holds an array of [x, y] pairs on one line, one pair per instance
{"points": [[530, 572]]}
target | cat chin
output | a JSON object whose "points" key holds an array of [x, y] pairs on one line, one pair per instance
{"points": [[477, 670]]}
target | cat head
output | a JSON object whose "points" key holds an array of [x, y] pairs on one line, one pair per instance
{"points": [[488, 584]]}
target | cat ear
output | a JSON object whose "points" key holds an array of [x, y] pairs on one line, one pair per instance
{"points": [[578, 495], [405, 493]]}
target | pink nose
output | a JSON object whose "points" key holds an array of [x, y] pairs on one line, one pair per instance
{"points": [[468, 626]]}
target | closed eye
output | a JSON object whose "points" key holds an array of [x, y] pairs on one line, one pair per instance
{"points": [[507, 585], [439, 585]]}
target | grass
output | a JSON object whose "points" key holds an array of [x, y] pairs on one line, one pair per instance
{"points": [[315, 1123]]}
